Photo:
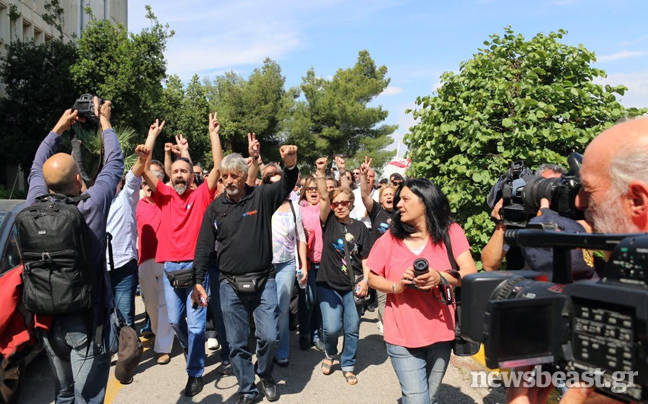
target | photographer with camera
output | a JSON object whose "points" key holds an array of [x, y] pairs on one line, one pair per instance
{"points": [[81, 367], [614, 195], [418, 324], [495, 250]]}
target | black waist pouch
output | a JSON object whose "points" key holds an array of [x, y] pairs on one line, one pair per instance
{"points": [[181, 279], [248, 283]]}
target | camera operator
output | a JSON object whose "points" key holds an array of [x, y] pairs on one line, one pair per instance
{"points": [[614, 195], [495, 250]]}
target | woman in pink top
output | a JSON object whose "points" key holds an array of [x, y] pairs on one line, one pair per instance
{"points": [[418, 327], [310, 317]]}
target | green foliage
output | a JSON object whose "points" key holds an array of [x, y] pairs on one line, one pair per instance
{"points": [[39, 88], [127, 69], [334, 118], [258, 104], [531, 100], [54, 16]]}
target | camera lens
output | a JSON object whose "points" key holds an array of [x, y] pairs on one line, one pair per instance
{"points": [[536, 189], [421, 266]]}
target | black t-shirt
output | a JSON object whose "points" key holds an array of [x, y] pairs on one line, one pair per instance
{"points": [[333, 271], [380, 222]]}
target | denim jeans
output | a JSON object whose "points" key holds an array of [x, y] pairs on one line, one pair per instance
{"points": [[190, 332], [123, 281], [339, 310], [81, 372], [236, 316], [310, 316], [420, 370], [216, 312], [285, 283]]}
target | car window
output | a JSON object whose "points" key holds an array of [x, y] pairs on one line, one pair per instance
{"points": [[2, 216], [10, 258]]}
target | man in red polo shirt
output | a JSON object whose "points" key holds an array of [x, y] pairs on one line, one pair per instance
{"points": [[182, 211]]}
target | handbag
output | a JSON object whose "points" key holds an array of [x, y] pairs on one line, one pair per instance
{"points": [[248, 283], [181, 279], [460, 346], [355, 279]]}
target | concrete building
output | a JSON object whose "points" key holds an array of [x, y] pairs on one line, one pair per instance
{"points": [[22, 20]]}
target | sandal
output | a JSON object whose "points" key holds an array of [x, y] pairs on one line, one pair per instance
{"points": [[327, 364], [351, 378]]}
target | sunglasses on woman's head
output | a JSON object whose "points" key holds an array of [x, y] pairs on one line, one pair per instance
{"points": [[344, 204]]}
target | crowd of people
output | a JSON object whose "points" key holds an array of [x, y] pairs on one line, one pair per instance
{"points": [[231, 247]]}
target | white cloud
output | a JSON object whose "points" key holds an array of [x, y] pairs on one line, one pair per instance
{"points": [[405, 122], [634, 41], [637, 83], [622, 55], [391, 91]]}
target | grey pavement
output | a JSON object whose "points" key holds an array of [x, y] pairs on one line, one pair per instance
{"points": [[301, 382]]}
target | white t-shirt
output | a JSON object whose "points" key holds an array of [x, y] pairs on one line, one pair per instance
{"points": [[359, 211]]}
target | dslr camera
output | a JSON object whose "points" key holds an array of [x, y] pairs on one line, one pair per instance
{"points": [[589, 327], [522, 192], [85, 105]]}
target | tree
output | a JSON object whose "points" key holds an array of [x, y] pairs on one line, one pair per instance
{"points": [[334, 118], [126, 69], [259, 105], [39, 88], [534, 101]]}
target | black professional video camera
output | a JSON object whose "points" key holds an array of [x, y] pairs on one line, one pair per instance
{"points": [[86, 108], [587, 327], [522, 192]]}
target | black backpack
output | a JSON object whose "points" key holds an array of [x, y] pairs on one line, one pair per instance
{"points": [[57, 275]]}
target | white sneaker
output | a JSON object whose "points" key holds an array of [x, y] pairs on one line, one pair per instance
{"points": [[212, 343], [380, 327]]}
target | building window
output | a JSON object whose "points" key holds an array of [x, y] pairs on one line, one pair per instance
{"points": [[28, 30], [38, 36]]}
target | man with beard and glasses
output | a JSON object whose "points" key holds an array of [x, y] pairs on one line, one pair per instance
{"points": [[614, 195], [182, 211], [239, 222]]}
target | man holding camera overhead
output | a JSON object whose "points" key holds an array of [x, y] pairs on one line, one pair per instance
{"points": [[79, 364]]}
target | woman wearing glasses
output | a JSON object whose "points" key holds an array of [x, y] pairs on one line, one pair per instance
{"points": [[346, 246], [418, 326]]}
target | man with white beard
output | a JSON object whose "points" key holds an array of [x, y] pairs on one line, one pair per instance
{"points": [[182, 211]]}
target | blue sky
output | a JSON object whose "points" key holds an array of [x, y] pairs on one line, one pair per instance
{"points": [[417, 40]]}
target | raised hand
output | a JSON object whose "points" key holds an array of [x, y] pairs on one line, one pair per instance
{"points": [[214, 125], [341, 164], [142, 152], [288, 155], [68, 118], [167, 147], [254, 147], [181, 143], [366, 166], [155, 128], [320, 166]]}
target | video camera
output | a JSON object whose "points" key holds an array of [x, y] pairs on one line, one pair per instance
{"points": [[85, 106], [587, 327], [522, 192]]}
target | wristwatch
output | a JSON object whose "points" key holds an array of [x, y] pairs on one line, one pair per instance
{"points": [[394, 287]]}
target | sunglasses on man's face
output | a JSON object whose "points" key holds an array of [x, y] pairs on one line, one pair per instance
{"points": [[344, 204]]}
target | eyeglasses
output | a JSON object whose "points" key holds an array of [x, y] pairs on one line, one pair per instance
{"points": [[311, 189], [198, 174], [344, 204]]}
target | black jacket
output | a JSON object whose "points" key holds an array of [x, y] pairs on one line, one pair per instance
{"points": [[242, 229]]}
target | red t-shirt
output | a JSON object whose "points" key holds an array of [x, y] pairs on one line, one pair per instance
{"points": [[181, 220], [414, 318], [148, 222]]}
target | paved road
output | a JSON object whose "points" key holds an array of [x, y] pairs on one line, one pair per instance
{"points": [[301, 382]]}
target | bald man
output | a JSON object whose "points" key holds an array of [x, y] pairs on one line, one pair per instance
{"points": [[81, 371], [614, 195]]}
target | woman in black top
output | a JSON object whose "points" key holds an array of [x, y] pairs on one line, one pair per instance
{"points": [[346, 247]]}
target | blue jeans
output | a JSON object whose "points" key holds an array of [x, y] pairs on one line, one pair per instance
{"points": [[236, 316], [420, 370], [339, 310], [310, 316], [216, 312], [123, 281], [81, 373], [190, 332], [285, 283]]}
